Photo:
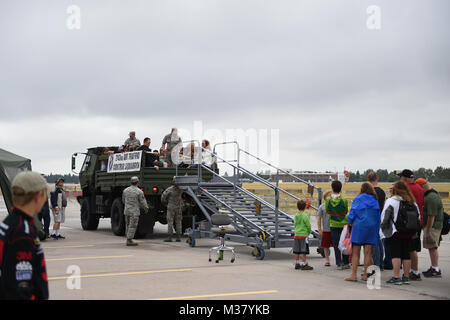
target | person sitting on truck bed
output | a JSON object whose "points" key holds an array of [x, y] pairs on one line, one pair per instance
{"points": [[181, 156], [151, 160], [104, 163], [158, 162], [132, 142]]}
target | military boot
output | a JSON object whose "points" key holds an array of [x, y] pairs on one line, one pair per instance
{"points": [[178, 238], [169, 239], [131, 243]]}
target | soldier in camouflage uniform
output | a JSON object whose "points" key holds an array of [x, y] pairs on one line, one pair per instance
{"points": [[134, 200], [172, 196], [171, 139], [132, 142]]}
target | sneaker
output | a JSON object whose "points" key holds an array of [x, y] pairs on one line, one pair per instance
{"points": [[396, 281], [414, 277], [297, 266], [346, 266], [53, 236], [60, 237], [307, 267], [340, 267], [431, 273], [131, 243], [405, 280]]}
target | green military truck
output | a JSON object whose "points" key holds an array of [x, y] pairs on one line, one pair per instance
{"points": [[102, 192]]}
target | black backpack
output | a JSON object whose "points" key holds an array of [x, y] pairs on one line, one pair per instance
{"points": [[408, 218], [445, 224]]}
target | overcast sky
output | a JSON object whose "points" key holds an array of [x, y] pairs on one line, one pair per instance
{"points": [[336, 93]]}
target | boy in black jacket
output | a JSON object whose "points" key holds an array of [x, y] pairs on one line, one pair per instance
{"points": [[22, 264]]}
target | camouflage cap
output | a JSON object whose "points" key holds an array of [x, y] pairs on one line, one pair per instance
{"points": [[29, 182], [132, 133], [134, 179]]}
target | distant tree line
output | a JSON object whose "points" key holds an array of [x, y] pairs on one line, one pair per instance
{"points": [[68, 178], [440, 174]]}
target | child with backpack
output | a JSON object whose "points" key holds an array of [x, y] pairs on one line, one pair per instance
{"points": [[400, 220], [337, 207]]}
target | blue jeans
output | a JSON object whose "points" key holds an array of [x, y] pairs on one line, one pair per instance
{"points": [[378, 254], [387, 262], [335, 237]]}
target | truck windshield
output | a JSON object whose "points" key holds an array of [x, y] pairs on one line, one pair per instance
{"points": [[86, 163]]}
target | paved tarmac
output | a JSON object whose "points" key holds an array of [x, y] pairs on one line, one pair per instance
{"points": [[159, 270]]}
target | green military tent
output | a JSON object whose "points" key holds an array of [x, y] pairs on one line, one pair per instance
{"points": [[10, 165]]}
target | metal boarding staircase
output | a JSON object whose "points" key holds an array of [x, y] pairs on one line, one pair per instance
{"points": [[256, 222]]}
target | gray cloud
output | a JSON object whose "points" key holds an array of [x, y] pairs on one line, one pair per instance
{"points": [[312, 69]]}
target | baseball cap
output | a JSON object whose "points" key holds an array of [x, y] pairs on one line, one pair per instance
{"points": [[421, 181], [134, 179], [60, 179], [29, 182], [406, 173]]}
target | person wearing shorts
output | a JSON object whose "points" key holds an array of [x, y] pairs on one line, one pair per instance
{"points": [[400, 245], [302, 230], [59, 203], [301, 246], [323, 224], [407, 176], [364, 220], [433, 218]]}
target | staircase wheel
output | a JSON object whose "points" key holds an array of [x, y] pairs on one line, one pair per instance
{"points": [[191, 241], [258, 253]]}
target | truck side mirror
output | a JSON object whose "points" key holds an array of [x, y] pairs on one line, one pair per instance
{"points": [[73, 161]]}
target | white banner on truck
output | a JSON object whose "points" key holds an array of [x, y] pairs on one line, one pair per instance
{"points": [[124, 162]]}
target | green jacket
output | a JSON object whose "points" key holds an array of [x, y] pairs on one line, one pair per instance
{"points": [[337, 209], [302, 225]]}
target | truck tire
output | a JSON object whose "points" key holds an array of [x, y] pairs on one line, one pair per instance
{"points": [[89, 221], [186, 223], [117, 218], [145, 226]]}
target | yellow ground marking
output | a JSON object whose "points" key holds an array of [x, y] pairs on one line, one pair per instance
{"points": [[63, 247], [120, 274], [87, 258], [219, 295]]}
